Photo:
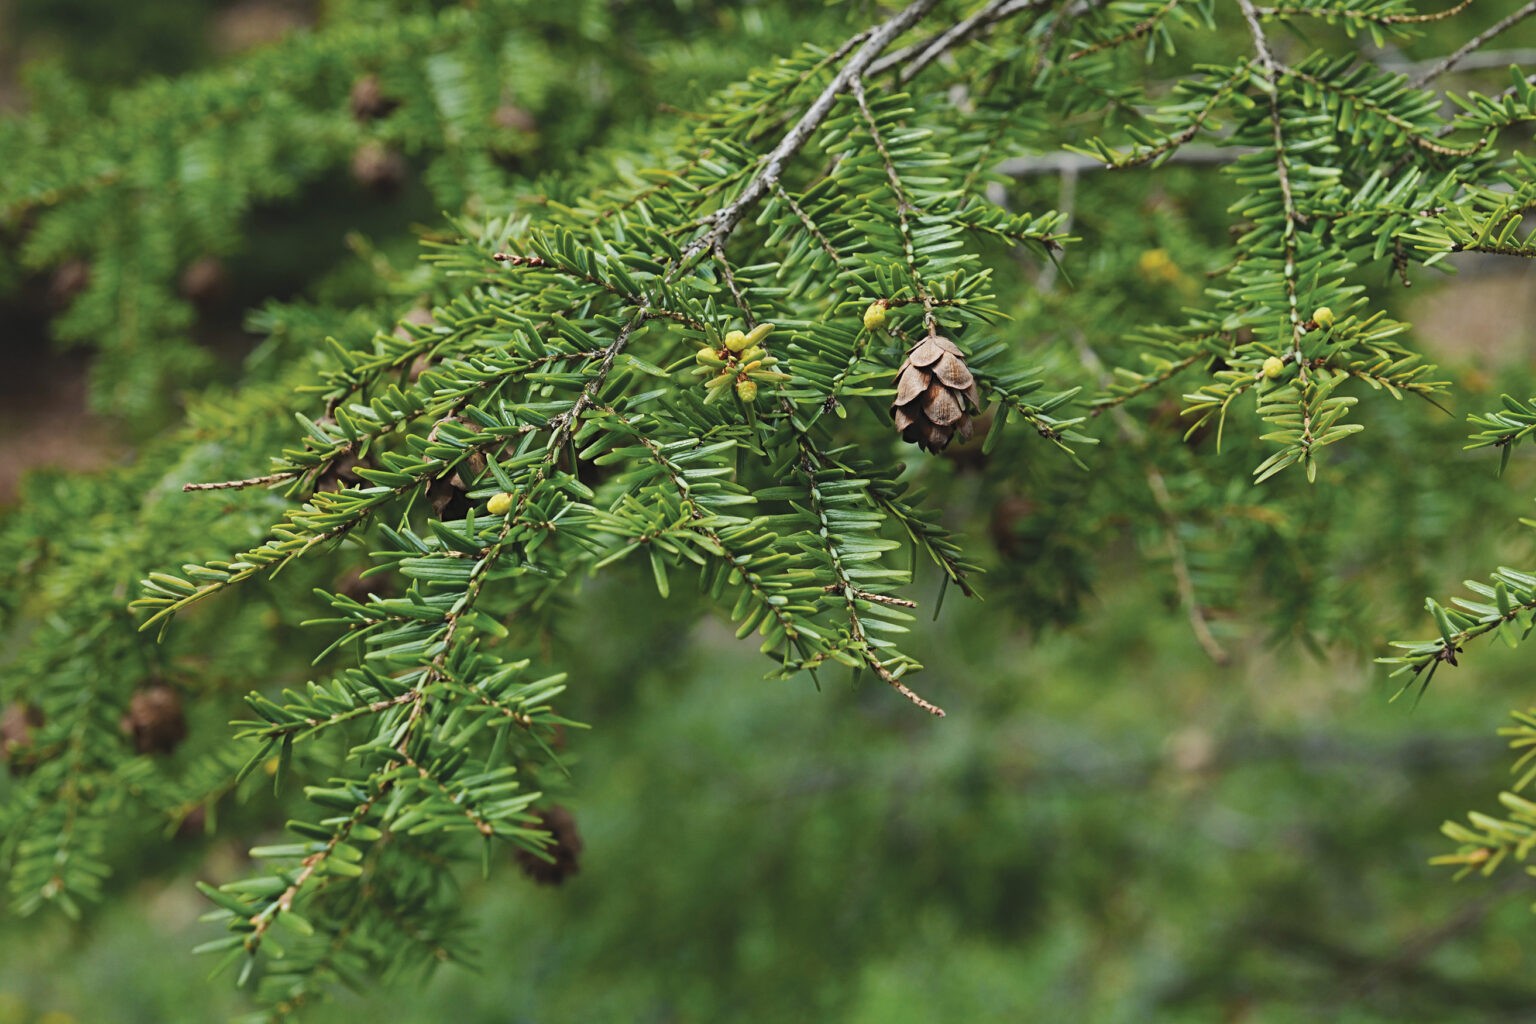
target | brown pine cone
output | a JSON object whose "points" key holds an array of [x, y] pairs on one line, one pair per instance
{"points": [[205, 281], [935, 395], [378, 168], [155, 720], [18, 723], [565, 849], [69, 279], [368, 99]]}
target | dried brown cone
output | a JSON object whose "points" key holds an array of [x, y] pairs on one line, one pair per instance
{"points": [[155, 720], [205, 281], [378, 168], [565, 849], [17, 743], [69, 279], [368, 99], [935, 395]]}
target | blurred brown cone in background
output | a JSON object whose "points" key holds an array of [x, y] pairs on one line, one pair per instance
{"points": [[18, 723], [155, 720], [565, 849], [368, 99], [935, 395], [378, 168]]}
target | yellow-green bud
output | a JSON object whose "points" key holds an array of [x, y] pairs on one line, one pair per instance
{"points": [[1323, 317], [874, 316], [707, 356], [500, 504], [757, 334], [735, 341], [1274, 367], [746, 390]]}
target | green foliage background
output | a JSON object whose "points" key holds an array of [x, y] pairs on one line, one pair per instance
{"points": [[1106, 827]]}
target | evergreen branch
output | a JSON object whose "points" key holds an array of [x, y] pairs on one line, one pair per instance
{"points": [[886, 495], [329, 517], [809, 224], [1136, 31], [841, 589], [1288, 200], [262, 921], [1504, 429], [1482, 60], [730, 282], [915, 58], [1486, 842], [627, 296], [844, 587], [775, 605], [562, 426], [903, 205], [1169, 147], [1512, 614], [481, 824], [778, 97], [308, 724], [1147, 383], [725, 220], [1412, 132]]}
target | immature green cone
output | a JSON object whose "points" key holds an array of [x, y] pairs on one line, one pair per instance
{"points": [[935, 395]]}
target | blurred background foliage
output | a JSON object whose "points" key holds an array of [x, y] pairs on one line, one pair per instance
{"points": [[1107, 827]]}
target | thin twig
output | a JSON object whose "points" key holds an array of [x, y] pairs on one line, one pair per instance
{"points": [[810, 225], [235, 485], [1066, 202], [913, 59], [1288, 200], [1471, 45], [1134, 32], [1481, 61], [850, 594], [1376, 19], [904, 205], [1163, 498], [725, 220], [564, 425]]}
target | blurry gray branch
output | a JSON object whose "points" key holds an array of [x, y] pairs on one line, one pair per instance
{"points": [[1167, 510], [1472, 45], [1480, 61], [1077, 163]]}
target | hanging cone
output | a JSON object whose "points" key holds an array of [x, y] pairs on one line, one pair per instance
{"points": [[155, 720], [565, 849], [935, 395]]}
